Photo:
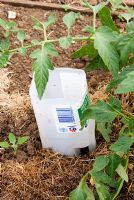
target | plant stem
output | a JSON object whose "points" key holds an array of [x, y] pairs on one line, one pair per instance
{"points": [[122, 181], [45, 33], [94, 21], [48, 41]]}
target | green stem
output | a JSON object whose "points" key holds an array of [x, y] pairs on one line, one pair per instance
{"points": [[94, 21], [48, 41], [45, 33], [121, 114], [122, 181], [123, 128]]}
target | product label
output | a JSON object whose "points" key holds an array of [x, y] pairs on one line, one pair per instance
{"points": [[66, 120]]}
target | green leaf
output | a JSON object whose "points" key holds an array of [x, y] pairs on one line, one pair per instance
{"points": [[103, 38], [4, 44], [11, 25], [23, 51], [115, 103], [127, 16], [51, 20], [96, 8], [122, 76], [131, 124], [106, 18], [114, 161], [125, 46], [82, 192], [3, 23], [12, 138], [102, 177], [87, 50], [116, 2], [22, 140], [37, 24], [50, 49], [100, 163], [4, 144], [130, 27], [103, 191], [4, 59], [105, 130], [101, 112], [88, 29], [21, 36], [70, 19], [42, 65], [123, 144], [127, 85], [35, 42], [65, 42], [96, 63], [122, 173]]}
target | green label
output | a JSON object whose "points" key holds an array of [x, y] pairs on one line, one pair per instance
{"points": [[84, 106]]}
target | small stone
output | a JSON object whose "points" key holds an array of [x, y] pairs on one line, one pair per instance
{"points": [[11, 15], [93, 82]]}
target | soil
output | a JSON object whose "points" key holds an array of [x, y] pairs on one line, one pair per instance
{"points": [[36, 173]]}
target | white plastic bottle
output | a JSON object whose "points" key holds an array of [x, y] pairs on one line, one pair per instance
{"points": [[59, 111]]}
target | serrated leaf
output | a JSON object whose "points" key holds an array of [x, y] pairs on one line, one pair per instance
{"points": [[70, 19], [82, 192], [3, 23], [51, 20], [96, 63], [122, 173], [4, 44], [127, 85], [12, 138], [100, 163], [42, 65], [114, 161], [103, 191], [131, 124], [103, 38], [125, 46], [106, 19], [22, 140], [127, 16], [123, 144], [21, 35], [116, 2], [23, 51], [105, 130], [101, 112], [88, 29], [87, 50], [102, 177], [115, 103], [4, 59], [35, 42], [122, 76], [65, 42], [37, 24], [4, 144], [96, 8], [130, 27], [11, 25]]}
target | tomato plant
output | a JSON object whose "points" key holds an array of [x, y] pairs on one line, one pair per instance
{"points": [[106, 47]]}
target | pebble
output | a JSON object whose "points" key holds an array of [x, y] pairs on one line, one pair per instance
{"points": [[11, 15]]}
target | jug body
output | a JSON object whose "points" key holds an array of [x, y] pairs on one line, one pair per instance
{"points": [[59, 112]]}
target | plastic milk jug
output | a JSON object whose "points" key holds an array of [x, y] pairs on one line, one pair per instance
{"points": [[59, 112]]}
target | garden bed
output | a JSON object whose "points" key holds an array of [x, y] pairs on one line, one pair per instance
{"points": [[35, 173]]}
